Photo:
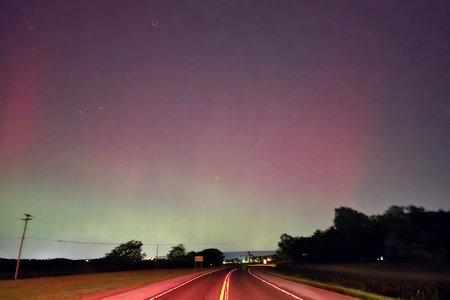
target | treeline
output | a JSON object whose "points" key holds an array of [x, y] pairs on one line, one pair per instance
{"points": [[131, 252], [179, 256], [55, 267], [400, 234], [126, 256], [30, 268]]}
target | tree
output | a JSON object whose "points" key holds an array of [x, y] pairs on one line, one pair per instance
{"points": [[400, 234], [349, 220], [395, 211], [355, 230], [131, 251], [177, 253], [212, 257], [286, 246], [190, 255]]}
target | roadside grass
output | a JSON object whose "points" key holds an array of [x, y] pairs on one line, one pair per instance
{"points": [[81, 286], [373, 281], [400, 271], [333, 287]]}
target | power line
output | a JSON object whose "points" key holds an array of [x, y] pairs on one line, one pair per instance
{"points": [[85, 242], [145, 244], [161, 244]]}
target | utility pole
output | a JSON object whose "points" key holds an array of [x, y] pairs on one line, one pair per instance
{"points": [[27, 218]]}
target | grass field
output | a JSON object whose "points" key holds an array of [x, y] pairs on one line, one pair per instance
{"points": [[365, 281], [81, 286]]}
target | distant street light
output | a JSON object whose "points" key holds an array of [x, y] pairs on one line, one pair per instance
{"points": [[27, 218]]}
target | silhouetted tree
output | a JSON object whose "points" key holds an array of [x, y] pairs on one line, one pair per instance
{"points": [[212, 257], [354, 229], [190, 255], [401, 233], [286, 247], [177, 253], [130, 251]]}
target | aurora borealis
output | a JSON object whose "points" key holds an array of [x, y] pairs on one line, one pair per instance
{"points": [[216, 123]]}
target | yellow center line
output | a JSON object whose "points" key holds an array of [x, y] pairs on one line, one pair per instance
{"points": [[224, 292]]}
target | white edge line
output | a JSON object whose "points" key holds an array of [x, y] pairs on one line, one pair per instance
{"points": [[274, 286], [180, 285]]}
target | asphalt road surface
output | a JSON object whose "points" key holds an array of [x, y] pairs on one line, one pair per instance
{"points": [[239, 284], [207, 287], [244, 283], [245, 286]]}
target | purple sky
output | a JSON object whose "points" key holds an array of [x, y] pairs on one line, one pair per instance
{"points": [[216, 123]]}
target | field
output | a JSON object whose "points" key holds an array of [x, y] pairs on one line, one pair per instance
{"points": [[83, 286], [392, 281]]}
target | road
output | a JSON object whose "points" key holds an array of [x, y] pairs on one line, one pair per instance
{"points": [[230, 284], [207, 287], [245, 286]]}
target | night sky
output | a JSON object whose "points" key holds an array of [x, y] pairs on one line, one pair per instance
{"points": [[216, 123]]}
